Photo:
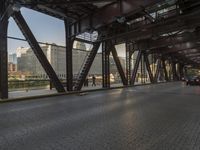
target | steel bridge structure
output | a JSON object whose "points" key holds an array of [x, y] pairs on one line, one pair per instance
{"points": [[167, 30]]}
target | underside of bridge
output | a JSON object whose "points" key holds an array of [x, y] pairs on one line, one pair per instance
{"points": [[167, 30]]}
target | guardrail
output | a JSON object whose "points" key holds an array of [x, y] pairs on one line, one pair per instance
{"points": [[16, 85], [26, 85]]}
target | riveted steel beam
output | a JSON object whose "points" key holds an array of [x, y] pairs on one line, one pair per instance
{"points": [[3, 57], [134, 73], [119, 66], [165, 69], [172, 24], [174, 71], [128, 61], [146, 59], [69, 61], [86, 67], [106, 64], [178, 47], [158, 70], [23, 26], [109, 14], [61, 3], [172, 40]]}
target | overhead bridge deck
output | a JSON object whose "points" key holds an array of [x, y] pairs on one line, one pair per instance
{"points": [[154, 117]]}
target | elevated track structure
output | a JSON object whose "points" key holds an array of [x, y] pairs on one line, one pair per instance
{"points": [[168, 30]]}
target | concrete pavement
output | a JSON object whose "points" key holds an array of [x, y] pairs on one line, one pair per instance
{"points": [[154, 117]]}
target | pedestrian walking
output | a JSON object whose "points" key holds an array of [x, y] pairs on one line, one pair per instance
{"points": [[93, 80]]}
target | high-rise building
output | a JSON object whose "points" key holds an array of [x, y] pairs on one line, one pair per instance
{"points": [[21, 50], [12, 58], [12, 67], [56, 55], [28, 62]]}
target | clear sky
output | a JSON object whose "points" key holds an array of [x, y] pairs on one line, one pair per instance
{"points": [[46, 29]]}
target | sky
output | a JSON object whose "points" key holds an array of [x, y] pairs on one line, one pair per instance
{"points": [[45, 28]]}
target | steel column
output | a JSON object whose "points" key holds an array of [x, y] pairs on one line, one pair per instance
{"points": [[3, 58], [69, 56], [157, 70], [165, 70], [181, 71], [142, 69], [23, 26], [134, 73], [170, 70], [119, 66], [128, 62], [175, 77], [105, 65], [148, 67]]}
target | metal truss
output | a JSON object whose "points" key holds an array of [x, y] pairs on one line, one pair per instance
{"points": [[148, 67], [134, 73], [86, 67], [69, 55], [120, 22], [165, 69], [158, 69], [3, 58], [106, 64], [20, 21], [119, 66], [128, 62]]}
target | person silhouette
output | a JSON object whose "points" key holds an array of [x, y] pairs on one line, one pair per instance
{"points": [[93, 80]]}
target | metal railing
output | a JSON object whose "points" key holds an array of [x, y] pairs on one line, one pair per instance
{"points": [[18, 85]]}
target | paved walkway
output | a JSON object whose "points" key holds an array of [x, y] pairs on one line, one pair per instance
{"points": [[38, 92], [156, 117]]}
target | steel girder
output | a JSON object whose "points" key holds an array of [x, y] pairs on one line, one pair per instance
{"points": [[128, 62], [3, 56], [173, 24], [109, 14], [158, 70], [172, 40], [178, 47], [165, 69], [86, 67], [69, 2], [119, 66], [135, 69], [146, 59], [106, 64], [192, 55], [177, 57], [174, 71], [69, 61], [180, 71], [20, 21]]}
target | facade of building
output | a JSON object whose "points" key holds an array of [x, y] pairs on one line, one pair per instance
{"points": [[27, 61], [12, 58], [12, 67]]}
